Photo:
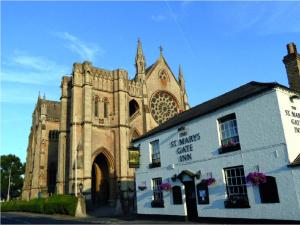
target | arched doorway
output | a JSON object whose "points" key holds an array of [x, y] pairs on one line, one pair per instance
{"points": [[100, 181]]}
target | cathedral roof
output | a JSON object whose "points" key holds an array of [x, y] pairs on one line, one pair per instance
{"points": [[53, 108], [152, 67], [236, 95]]}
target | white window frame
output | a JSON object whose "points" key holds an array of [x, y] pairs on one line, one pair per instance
{"points": [[229, 131], [154, 151], [157, 192], [235, 181]]}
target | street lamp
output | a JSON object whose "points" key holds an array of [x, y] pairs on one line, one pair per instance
{"points": [[80, 188], [9, 182]]}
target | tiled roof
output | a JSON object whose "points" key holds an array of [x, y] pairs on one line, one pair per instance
{"points": [[245, 91]]}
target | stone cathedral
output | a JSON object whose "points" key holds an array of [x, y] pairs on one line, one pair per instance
{"points": [[81, 142]]}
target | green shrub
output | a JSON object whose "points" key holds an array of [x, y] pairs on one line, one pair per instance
{"points": [[61, 204], [56, 204]]}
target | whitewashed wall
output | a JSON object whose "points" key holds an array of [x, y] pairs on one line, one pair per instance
{"points": [[263, 144]]}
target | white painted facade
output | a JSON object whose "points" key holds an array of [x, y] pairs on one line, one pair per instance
{"points": [[269, 142]]}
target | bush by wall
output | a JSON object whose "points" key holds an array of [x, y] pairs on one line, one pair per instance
{"points": [[56, 204]]}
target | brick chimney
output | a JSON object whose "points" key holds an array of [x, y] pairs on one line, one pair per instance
{"points": [[292, 66]]}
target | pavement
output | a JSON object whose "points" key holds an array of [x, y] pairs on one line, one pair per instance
{"points": [[32, 218]]}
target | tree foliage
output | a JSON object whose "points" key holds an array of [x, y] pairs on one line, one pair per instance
{"points": [[13, 163]]}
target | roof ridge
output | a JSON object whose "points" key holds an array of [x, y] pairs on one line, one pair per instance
{"points": [[233, 96]]}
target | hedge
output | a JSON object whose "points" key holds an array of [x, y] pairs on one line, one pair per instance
{"points": [[56, 204]]}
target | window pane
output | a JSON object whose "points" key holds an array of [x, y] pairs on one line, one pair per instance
{"points": [[235, 181]]}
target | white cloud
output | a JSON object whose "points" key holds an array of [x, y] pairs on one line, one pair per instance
{"points": [[22, 67], [87, 51]]}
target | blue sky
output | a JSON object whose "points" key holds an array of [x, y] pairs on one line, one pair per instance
{"points": [[220, 46]]}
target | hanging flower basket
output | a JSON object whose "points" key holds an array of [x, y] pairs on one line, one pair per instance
{"points": [[165, 186], [209, 181], [142, 188], [256, 178]]}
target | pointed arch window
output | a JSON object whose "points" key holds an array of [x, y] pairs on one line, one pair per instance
{"points": [[96, 106], [133, 107], [105, 108]]}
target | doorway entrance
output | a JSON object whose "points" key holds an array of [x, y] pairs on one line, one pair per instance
{"points": [[191, 203], [100, 181], [187, 178]]}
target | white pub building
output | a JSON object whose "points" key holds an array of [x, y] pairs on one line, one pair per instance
{"points": [[236, 156]]}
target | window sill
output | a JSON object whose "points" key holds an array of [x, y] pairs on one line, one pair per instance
{"points": [[229, 148], [153, 165], [157, 204], [229, 204]]}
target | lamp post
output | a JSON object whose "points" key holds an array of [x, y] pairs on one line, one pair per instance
{"points": [[75, 163], [80, 188], [9, 183]]}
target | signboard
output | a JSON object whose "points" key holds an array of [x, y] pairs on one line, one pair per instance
{"points": [[294, 117], [134, 157], [184, 146]]}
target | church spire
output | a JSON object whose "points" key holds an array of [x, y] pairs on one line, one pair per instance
{"points": [[183, 94], [181, 79], [140, 63]]}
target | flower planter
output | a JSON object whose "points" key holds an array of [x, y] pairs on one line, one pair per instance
{"points": [[154, 164], [157, 204], [229, 148], [237, 202]]}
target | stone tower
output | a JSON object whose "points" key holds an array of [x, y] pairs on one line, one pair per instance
{"points": [[292, 65], [41, 160]]}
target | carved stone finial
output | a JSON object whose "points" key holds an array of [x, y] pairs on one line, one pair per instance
{"points": [[87, 66], [291, 48], [77, 68], [161, 50], [180, 72]]}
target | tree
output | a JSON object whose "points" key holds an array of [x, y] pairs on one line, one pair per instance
{"points": [[11, 163]]}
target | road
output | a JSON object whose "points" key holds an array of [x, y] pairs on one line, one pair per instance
{"points": [[31, 218]]}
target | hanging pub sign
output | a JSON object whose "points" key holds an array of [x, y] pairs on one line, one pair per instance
{"points": [[134, 157]]}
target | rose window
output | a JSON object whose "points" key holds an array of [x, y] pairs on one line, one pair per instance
{"points": [[163, 106]]}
